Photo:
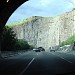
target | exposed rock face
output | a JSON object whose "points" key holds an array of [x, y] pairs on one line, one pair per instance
{"points": [[47, 31]]}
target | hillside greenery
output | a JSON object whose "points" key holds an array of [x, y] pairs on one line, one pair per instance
{"points": [[23, 21], [9, 42], [22, 45], [8, 39], [19, 23], [69, 41], [16, 23]]}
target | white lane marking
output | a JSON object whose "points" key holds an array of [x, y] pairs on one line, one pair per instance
{"points": [[37, 53], [63, 58], [27, 67]]}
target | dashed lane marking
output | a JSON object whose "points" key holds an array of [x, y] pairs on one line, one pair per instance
{"points": [[27, 67]]}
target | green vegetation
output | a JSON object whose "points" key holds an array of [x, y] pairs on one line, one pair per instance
{"points": [[23, 21], [16, 23], [9, 41], [19, 23], [69, 41], [22, 45]]}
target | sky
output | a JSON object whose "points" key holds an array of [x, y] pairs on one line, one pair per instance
{"points": [[41, 8]]}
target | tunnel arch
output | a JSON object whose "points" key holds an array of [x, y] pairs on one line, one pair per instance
{"points": [[7, 8]]}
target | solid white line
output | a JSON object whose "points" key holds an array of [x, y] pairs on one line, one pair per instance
{"points": [[27, 67], [62, 58]]}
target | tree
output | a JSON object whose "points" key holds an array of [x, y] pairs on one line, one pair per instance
{"points": [[8, 39], [22, 45]]}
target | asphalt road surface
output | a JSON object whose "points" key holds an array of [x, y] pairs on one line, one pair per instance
{"points": [[39, 63]]}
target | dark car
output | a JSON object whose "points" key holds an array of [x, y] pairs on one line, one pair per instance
{"points": [[52, 50], [41, 48]]}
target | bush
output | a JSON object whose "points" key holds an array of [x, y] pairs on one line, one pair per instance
{"points": [[9, 41], [69, 41], [22, 45]]}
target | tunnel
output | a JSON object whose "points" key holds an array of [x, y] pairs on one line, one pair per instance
{"points": [[7, 7]]}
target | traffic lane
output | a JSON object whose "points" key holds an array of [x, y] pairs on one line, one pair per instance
{"points": [[12, 60], [14, 65], [67, 56], [49, 64], [38, 55]]}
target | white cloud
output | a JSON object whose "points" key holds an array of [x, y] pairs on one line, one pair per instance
{"points": [[45, 2], [74, 1], [42, 8], [70, 1]]}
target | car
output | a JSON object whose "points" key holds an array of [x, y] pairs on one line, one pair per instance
{"points": [[52, 50], [36, 50], [41, 48]]}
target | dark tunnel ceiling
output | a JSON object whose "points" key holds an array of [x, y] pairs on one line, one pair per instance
{"points": [[6, 10]]}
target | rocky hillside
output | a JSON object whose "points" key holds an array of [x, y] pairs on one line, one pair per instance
{"points": [[46, 31]]}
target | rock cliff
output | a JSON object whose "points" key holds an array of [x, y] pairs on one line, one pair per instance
{"points": [[47, 31]]}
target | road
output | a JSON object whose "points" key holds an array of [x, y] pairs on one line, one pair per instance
{"points": [[39, 63]]}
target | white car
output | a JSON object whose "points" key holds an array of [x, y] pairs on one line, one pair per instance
{"points": [[36, 50]]}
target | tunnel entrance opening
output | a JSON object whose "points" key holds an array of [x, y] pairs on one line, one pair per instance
{"points": [[65, 27], [48, 63]]}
